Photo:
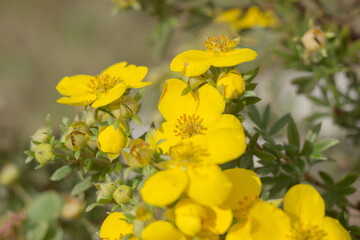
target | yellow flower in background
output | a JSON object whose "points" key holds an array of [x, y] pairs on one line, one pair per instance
{"points": [[112, 141], [306, 209], [231, 84], [219, 53], [229, 16], [255, 17], [115, 227], [161, 230], [105, 88], [197, 117]]}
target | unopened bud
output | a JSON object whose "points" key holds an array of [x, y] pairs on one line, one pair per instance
{"points": [[139, 154], [44, 153], [8, 174], [105, 190], [41, 135], [72, 209], [231, 84], [77, 135], [125, 107], [313, 40], [123, 194], [195, 82]]}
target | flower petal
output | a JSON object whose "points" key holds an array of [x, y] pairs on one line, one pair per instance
{"points": [[161, 230], [115, 70], [210, 101], [208, 185], [189, 216], [115, 226], [233, 57], [334, 229], [74, 85], [246, 184], [110, 96], [218, 219], [303, 203], [164, 187], [78, 100], [239, 231], [166, 131], [192, 62], [172, 104]]}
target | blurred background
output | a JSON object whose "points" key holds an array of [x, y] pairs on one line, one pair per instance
{"points": [[42, 41]]}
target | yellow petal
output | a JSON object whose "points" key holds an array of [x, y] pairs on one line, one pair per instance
{"points": [[172, 105], [229, 16], [232, 83], [166, 131], [303, 203], [115, 227], [189, 217], [246, 185], [74, 86], [164, 187], [111, 140], [334, 229], [110, 96], [205, 235], [78, 100], [115, 70], [239, 231], [210, 102], [233, 57], [192, 62], [208, 185], [218, 219], [161, 230]]}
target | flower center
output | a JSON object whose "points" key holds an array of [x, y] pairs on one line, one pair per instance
{"points": [[220, 45], [184, 153], [307, 232], [189, 126], [244, 206], [102, 83]]}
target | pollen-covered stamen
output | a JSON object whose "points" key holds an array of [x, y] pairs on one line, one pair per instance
{"points": [[187, 152], [189, 126], [220, 45], [102, 83], [301, 231]]}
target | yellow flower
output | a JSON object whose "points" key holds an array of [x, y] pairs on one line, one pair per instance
{"points": [[229, 16], [115, 227], [264, 221], [254, 17], [161, 230], [219, 53], [111, 141], [306, 209], [105, 88], [204, 183], [197, 117], [139, 154], [232, 84], [192, 218], [313, 40]]}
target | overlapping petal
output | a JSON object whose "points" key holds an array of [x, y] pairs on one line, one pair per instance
{"points": [[161, 230], [192, 62], [115, 227], [218, 219]]}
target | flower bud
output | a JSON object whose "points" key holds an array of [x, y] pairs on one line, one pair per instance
{"points": [[72, 209], [140, 153], [125, 107], [123, 194], [105, 189], [231, 84], [111, 141], [41, 135], [8, 174], [44, 153], [313, 40], [77, 135]]}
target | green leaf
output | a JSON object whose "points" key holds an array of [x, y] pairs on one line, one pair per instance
{"points": [[249, 94], [87, 164], [250, 75], [77, 154], [264, 155], [348, 180], [318, 155], [30, 153], [255, 116], [137, 120], [45, 207], [28, 159], [37, 230], [116, 124], [252, 100], [48, 120], [279, 124], [304, 84], [253, 140], [250, 86], [326, 178], [140, 94], [325, 144], [185, 91], [91, 207], [293, 133], [313, 133], [61, 173], [212, 82], [81, 186], [266, 116], [94, 131]]}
